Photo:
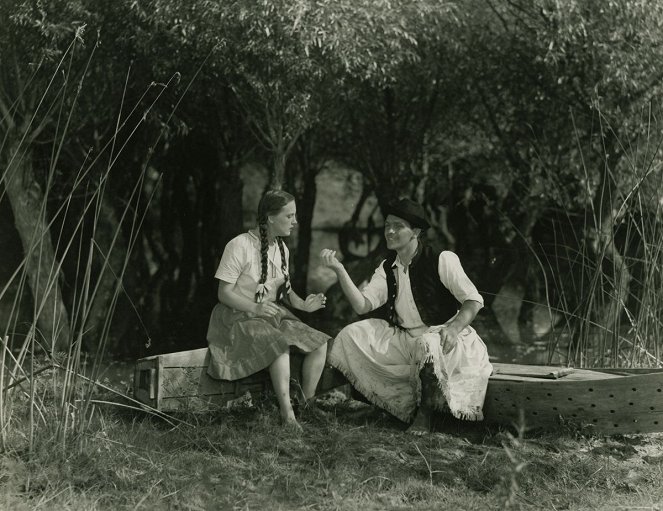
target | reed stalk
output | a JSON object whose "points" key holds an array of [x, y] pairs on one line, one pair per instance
{"points": [[607, 281], [71, 390]]}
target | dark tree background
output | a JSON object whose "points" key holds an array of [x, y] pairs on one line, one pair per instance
{"points": [[529, 129]]}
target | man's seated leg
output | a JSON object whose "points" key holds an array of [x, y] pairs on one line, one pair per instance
{"points": [[422, 422]]}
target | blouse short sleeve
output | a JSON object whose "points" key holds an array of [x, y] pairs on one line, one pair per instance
{"points": [[376, 289], [233, 261]]}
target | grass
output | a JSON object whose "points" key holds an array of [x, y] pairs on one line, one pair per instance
{"points": [[357, 458]]}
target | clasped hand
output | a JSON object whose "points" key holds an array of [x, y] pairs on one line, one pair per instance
{"points": [[266, 310]]}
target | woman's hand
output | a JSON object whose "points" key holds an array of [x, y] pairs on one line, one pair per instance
{"points": [[314, 302], [329, 259], [266, 310]]}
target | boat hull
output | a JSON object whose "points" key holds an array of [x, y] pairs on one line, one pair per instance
{"points": [[603, 401]]}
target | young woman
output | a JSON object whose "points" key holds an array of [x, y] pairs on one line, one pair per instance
{"points": [[250, 329]]}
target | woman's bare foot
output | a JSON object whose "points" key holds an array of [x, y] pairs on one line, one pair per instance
{"points": [[289, 421], [291, 424]]}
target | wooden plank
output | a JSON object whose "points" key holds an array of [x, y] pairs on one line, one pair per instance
{"points": [[627, 371], [194, 381], [191, 358], [195, 403], [158, 383], [574, 376], [532, 371], [145, 382]]}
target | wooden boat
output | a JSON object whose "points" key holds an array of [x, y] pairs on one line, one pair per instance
{"points": [[606, 401], [602, 401]]}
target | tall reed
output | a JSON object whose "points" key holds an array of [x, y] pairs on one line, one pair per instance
{"points": [[61, 405], [605, 268]]}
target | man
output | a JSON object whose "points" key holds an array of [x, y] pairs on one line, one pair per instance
{"points": [[425, 344]]}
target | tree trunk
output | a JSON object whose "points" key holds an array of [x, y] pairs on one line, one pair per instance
{"points": [[221, 216], [27, 202], [350, 232], [508, 302], [278, 169], [305, 209], [229, 218], [111, 256], [188, 220]]}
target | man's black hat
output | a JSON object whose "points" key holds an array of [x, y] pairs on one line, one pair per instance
{"points": [[409, 210]]}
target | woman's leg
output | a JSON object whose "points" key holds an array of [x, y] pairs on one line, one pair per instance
{"points": [[312, 367], [279, 371]]}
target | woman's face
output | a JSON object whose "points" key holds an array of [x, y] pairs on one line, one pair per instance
{"points": [[282, 223]]}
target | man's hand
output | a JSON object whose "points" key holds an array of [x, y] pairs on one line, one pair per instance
{"points": [[314, 302], [266, 310], [448, 336], [329, 259], [359, 302]]}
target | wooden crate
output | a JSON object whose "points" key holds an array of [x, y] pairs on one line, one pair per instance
{"points": [[179, 381]]}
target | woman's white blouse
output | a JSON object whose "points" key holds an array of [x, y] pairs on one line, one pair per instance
{"points": [[240, 265]]}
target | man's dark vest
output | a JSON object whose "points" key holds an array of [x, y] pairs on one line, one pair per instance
{"points": [[434, 301]]}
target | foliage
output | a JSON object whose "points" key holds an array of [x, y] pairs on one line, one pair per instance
{"points": [[503, 118]]}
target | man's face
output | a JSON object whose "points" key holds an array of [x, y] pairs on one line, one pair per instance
{"points": [[398, 232], [285, 220]]}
